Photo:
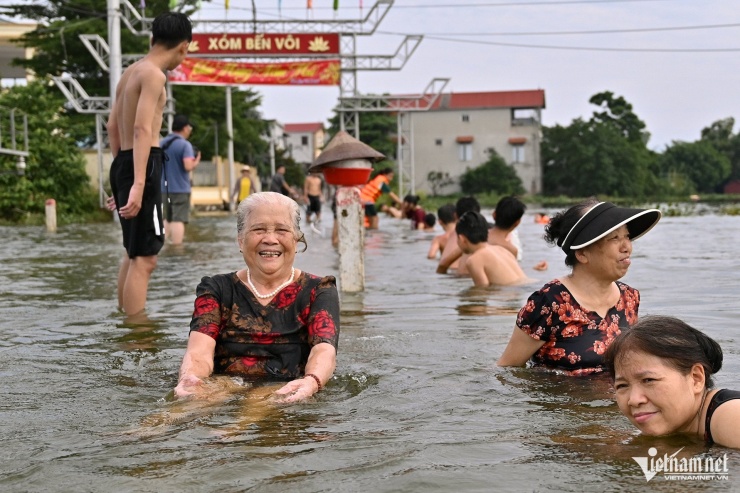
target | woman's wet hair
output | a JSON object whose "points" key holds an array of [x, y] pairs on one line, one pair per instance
{"points": [[674, 341], [561, 224], [271, 200], [473, 226]]}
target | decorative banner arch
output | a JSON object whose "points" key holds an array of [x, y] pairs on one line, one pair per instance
{"points": [[306, 73]]}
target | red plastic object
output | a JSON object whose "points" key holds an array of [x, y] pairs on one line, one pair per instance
{"points": [[346, 176]]}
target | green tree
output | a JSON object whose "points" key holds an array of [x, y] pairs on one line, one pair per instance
{"points": [[606, 155], [55, 167], [700, 162], [206, 108], [720, 135], [618, 114], [493, 176]]}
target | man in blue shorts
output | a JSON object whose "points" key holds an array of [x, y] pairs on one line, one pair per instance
{"points": [[181, 160], [135, 175]]}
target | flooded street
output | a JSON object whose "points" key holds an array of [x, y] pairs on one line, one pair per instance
{"points": [[417, 402]]}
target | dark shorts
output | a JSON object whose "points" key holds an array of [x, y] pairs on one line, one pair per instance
{"points": [[143, 235], [177, 207], [314, 204], [370, 210]]}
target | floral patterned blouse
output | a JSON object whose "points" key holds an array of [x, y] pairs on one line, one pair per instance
{"points": [[273, 341], [575, 339]]}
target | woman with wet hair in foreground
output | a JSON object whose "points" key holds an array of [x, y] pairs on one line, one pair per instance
{"points": [[662, 370]]}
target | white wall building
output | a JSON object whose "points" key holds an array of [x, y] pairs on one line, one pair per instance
{"points": [[458, 131], [304, 141]]}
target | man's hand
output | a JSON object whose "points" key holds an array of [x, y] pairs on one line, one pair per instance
{"points": [[110, 204], [132, 208]]}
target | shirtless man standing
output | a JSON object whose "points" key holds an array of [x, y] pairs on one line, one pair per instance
{"points": [[133, 129], [487, 264], [312, 196]]}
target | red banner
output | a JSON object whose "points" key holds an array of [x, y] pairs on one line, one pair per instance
{"points": [[264, 44], [307, 73]]}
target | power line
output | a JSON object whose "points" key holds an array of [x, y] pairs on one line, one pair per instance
{"points": [[587, 48], [559, 33]]}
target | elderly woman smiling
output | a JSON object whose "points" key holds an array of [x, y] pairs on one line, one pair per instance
{"points": [[568, 324], [268, 320]]}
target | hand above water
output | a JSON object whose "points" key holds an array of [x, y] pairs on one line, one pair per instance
{"points": [[296, 390], [189, 385]]}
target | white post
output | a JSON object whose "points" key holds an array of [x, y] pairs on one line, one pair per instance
{"points": [[51, 215], [114, 44], [230, 147], [272, 152], [351, 240]]}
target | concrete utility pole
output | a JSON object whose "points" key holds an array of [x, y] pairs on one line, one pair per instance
{"points": [[347, 162], [114, 43]]}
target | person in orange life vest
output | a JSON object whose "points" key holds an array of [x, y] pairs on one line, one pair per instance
{"points": [[244, 186], [372, 190]]}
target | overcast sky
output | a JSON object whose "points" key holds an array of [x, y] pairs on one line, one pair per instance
{"points": [[676, 61]]}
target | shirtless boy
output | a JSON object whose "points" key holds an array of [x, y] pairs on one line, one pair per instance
{"points": [[451, 254], [446, 216], [487, 264], [133, 129], [312, 196], [507, 216]]}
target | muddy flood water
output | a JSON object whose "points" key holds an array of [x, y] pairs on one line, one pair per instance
{"points": [[417, 403]]}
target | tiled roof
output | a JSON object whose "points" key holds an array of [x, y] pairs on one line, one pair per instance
{"points": [[499, 99], [484, 100], [298, 128]]}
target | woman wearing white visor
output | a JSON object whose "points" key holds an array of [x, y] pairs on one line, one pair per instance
{"points": [[568, 324]]}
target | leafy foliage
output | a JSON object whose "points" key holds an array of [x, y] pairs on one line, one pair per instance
{"points": [[492, 176], [55, 167], [605, 155], [701, 163], [719, 135]]}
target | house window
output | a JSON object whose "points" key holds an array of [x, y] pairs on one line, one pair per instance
{"points": [[438, 142], [517, 153], [466, 118], [465, 151], [304, 140]]}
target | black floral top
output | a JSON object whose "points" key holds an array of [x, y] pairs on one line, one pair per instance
{"points": [[266, 341], [575, 339]]}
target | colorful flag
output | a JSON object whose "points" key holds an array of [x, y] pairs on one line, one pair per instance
{"points": [[336, 4], [226, 4], [309, 4]]}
